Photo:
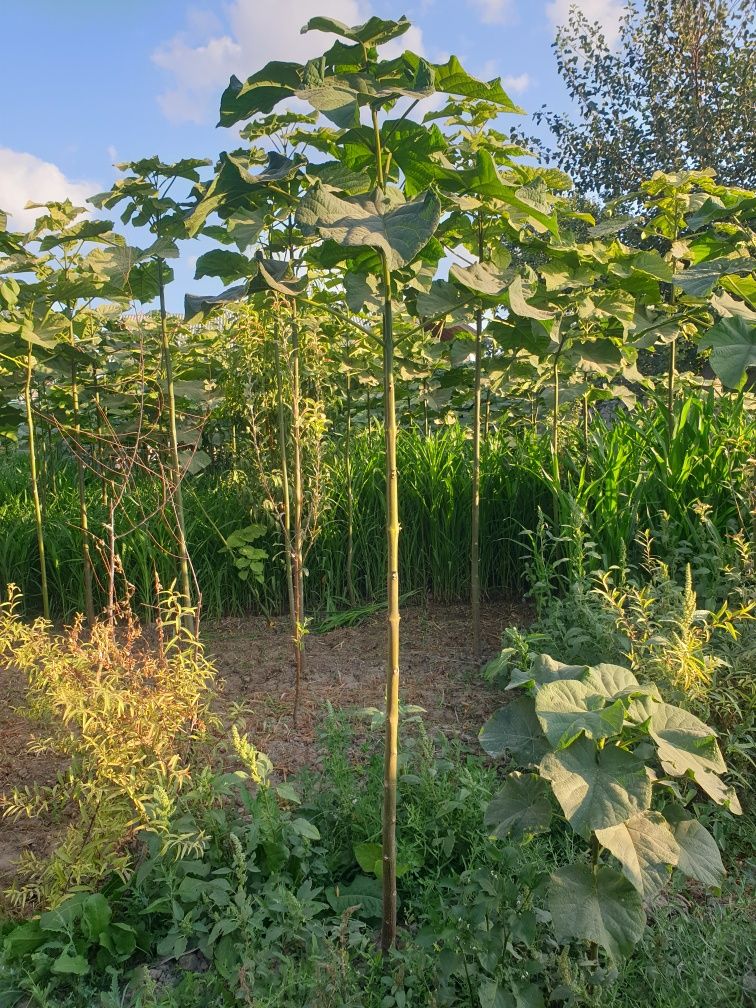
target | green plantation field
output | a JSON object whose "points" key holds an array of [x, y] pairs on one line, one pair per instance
{"points": [[380, 631]]}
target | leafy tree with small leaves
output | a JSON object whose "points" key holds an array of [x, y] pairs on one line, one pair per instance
{"points": [[675, 91]]}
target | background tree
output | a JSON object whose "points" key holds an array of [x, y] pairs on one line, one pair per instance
{"points": [[676, 91]]}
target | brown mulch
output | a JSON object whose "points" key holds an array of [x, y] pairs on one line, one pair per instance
{"points": [[346, 668], [253, 656]]}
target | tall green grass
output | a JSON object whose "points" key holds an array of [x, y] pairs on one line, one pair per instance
{"points": [[632, 477]]}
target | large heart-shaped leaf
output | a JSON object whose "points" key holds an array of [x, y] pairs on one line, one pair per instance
{"points": [[733, 349], [452, 78], [544, 669], [521, 808], [683, 740], [515, 729], [646, 848], [611, 680], [569, 708], [597, 788], [277, 275], [374, 32], [701, 279], [699, 855], [362, 892], [383, 221], [200, 304], [521, 307], [225, 264], [443, 299], [259, 93], [481, 278], [597, 906]]}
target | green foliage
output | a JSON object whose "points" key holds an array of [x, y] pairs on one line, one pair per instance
{"points": [[669, 94], [617, 758], [691, 497]]}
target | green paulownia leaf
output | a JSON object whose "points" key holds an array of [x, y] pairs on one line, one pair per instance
{"points": [[684, 742], [363, 892], [200, 304], [699, 855], [652, 264], [521, 307], [645, 847], [600, 907], [701, 279], [733, 349], [398, 230], [597, 788], [521, 808], [373, 32], [481, 278], [224, 264], [277, 275], [545, 669], [515, 729], [260, 93], [443, 299], [569, 708], [611, 680]]}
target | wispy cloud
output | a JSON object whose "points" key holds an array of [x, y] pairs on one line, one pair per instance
{"points": [[493, 11], [518, 84]]}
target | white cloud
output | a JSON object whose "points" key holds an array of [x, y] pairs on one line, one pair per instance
{"points": [[202, 57], [606, 12], [493, 11], [517, 84], [25, 178]]}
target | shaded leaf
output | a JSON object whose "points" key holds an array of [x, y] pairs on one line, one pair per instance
{"points": [[646, 848], [600, 907], [520, 808], [515, 729], [399, 230], [597, 788]]}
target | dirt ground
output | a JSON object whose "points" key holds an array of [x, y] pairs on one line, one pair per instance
{"points": [[345, 667]]}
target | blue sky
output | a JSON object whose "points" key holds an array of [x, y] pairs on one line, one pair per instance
{"points": [[90, 82]]}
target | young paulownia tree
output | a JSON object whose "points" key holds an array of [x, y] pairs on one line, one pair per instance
{"points": [[359, 207]]}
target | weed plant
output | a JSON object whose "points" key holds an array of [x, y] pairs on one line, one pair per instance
{"points": [[276, 909]]}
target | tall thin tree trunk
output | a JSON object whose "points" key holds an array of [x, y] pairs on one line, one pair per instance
{"points": [[298, 555], [349, 489], [391, 752], [186, 587], [586, 427], [285, 492], [671, 386], [35, 485], [83, 515], [555, 430], [391, 748], [111, 563], [475, 516]]}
